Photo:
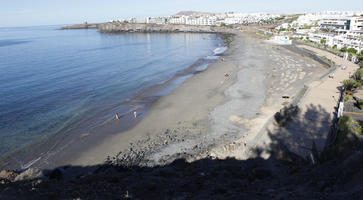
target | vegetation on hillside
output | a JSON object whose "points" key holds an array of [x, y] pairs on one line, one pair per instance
{"points": [[350, 84]]}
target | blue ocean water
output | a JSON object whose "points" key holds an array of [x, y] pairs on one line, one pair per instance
{"points": [[52, 79]]}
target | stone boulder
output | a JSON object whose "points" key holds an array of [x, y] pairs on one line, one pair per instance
{"points": [[8, 175], [29, 174]]}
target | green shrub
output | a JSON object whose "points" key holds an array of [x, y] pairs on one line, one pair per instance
{"points": [[344, 49], [358, 84], [352, 51], [348, 124], [357, 128], [358, 75], [344, 123], [348, 97], [360, 58], [349, 84], [360, 103]]}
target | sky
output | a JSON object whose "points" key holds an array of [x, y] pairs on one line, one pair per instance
{"points": [[51, 12]]}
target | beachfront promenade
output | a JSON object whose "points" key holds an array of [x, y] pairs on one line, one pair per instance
{"points": [[317, 108]]}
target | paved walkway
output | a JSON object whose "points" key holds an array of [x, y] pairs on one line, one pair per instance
{"points": [[317, 108]]}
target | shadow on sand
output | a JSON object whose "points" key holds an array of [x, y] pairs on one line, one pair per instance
{"points": [[284, 175]]}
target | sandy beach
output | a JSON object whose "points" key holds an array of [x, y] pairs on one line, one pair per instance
{"points": [[211, 114], [217, 130]]}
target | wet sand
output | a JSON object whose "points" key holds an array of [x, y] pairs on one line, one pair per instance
{"points": [[61, 148], [211, 114]]}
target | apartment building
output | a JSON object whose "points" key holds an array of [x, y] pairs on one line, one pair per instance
{"points": [[193, 20], [356, 23], [335, 23], [351, 39], [177, 20]]}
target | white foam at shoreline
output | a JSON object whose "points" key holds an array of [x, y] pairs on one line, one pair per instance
{"points": [[219, 50], [212, 57]]}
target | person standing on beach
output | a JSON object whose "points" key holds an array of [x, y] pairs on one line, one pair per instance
{"points": [[135, 114], [116, 116]]}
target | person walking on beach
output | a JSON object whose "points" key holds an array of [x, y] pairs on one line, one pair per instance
{"points": [[135, 114], [116, 116]]}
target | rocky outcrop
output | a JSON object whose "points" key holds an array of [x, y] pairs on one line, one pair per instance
{"points": [[120, 27], [115, 27], [29, 174], [80, 26], [8, 175]]}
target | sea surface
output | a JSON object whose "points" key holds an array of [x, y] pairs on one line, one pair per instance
{"points": [[53, 81]]}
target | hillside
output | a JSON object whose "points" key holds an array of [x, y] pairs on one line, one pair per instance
{"points": [[188, 13]]}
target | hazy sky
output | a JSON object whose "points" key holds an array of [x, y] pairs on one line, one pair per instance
{"points": [[52, 12]]}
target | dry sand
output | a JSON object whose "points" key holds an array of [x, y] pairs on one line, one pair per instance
{"points": [[214, 115]]}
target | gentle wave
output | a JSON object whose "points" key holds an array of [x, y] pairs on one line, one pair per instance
{"points": [[4, 43]]}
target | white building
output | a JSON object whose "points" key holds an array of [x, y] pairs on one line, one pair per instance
{"points": [[335, 23], [177, 20], [282, 40], [309, 19], [283, 26], [204, 20], [156, 20], [340, 29], [242, 18], [138, 20], [350, 40], [356, 23]]}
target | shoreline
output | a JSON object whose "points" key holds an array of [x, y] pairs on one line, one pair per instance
{"points": [[150, 138], [206, 113], [209, 111], [78, 142]]}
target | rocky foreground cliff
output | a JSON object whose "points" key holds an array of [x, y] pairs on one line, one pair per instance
{"points": [[338, 175]]}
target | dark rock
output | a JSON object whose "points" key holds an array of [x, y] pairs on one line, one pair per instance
{"points": [[220, 190], [261, 173], [354, 162], [56, 174]]}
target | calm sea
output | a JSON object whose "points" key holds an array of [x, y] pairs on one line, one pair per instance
{"points": [[53, 80]]}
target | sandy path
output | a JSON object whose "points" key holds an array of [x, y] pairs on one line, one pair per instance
{"points": [[317, 108], [289, 73], [312, 124]]}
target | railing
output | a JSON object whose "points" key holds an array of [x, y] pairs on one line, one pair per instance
{"points": [[334, 129]]}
